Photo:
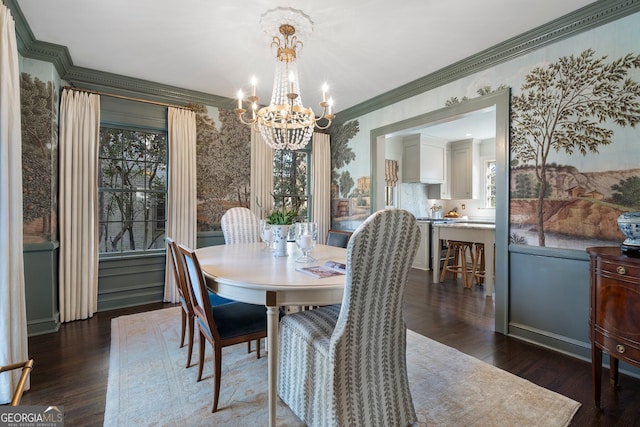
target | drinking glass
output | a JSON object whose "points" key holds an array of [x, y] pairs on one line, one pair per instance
{"points": [[266, 233], [306, 237]]}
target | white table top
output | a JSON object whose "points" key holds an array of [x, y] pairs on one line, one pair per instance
{"points": [[251, 267]]}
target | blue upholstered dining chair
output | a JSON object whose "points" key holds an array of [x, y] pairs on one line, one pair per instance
{"points": [[345, 365], [338, 238], [240, 225], [221, 325], [187, 324]]}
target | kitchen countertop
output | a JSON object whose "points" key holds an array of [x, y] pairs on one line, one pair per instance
{"points": [[467, 224], [442, 221]]}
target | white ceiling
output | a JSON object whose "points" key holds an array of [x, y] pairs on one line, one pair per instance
{"points": [[361, 48]]}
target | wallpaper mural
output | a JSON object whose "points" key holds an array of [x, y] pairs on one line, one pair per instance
{"points": [[39, 116], [350, 200], [573, 106], [575, 162], [224, 165]]}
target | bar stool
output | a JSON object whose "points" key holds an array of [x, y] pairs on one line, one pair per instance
{"points": [[477, 267], [457, 251]]}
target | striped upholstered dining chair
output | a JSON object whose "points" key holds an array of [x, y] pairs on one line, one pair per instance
{"points": [[240, 225], [336, 361]]}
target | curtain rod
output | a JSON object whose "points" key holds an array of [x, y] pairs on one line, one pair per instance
{"points": [[112, 95]]}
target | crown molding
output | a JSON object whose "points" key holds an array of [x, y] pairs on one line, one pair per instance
{"points": [[596, 14], [128, 86]]}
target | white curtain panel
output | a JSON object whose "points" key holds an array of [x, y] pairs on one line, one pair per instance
{"points": [[182, 203], [321, 190], [13, 320], [261, 176], [78, 205]]}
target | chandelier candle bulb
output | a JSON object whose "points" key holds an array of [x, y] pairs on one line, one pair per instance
{"points": [[324, 92], [253, 86], [240, 95]]}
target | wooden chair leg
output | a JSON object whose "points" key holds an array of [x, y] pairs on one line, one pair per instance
{"points": [[446, 263], [217, 368], [248, 346], [258, 348], [201, 346], [477, 267], [183, 327], [190, 324], [463, 264]]}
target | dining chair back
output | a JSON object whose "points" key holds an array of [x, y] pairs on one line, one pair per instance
{"points": [[338, 238], [183, 295], [346, 364], [221, 325], [19, 390], [240, 225], [187, 317]]}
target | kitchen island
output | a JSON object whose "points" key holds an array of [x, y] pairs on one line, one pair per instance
{"points": [[465, 232]]}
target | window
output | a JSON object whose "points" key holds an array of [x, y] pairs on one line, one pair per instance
{"points": [[291, 180], [132, 187], [490, 183]]}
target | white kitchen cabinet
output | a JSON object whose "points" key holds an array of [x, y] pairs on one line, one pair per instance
{"points": [[423, 160], [464, 176], [421, 260]]}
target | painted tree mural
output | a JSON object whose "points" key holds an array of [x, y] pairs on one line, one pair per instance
{"points": [[341, 153], [565, 107], [39, 102], [223, 165]]}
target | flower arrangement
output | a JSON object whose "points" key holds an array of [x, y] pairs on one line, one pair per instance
{"points": [[282, 215]]}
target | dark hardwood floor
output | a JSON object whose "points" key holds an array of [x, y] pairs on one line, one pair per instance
{"points": [[71, 366]]}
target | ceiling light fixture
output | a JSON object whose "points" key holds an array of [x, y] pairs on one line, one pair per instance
{"points": [[285, 124]]}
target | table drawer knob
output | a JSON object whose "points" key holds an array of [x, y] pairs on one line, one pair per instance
{"points": [[621, 270], [620, 348]]}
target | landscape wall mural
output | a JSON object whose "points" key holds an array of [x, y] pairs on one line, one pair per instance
{"points": [[39, 116], [223, 165], [350, 192], [570, 174]]}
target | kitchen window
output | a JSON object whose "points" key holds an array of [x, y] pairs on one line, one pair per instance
{"points": [[490, 183]]}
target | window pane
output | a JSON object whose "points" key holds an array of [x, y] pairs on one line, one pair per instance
{"points": [[490, 180], [132, 190], [291, 180]]}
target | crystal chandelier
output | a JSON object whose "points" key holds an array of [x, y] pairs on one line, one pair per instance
{"points": [[285, 124]]}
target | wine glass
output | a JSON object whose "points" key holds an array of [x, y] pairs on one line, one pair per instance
{"points": [[306, 237], [266, 233]]}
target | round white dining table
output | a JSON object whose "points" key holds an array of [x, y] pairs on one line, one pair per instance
{"points": [[249, 272]]}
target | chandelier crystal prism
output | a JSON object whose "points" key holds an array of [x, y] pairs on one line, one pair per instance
{"points": [[285, 124]]}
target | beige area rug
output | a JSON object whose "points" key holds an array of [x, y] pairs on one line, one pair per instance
{"points": [[149, 385]]}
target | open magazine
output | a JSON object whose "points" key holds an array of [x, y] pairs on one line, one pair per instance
{"points": [[328, 269]]}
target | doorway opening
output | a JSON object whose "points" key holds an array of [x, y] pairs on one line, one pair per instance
{"points": [[494, 105]]}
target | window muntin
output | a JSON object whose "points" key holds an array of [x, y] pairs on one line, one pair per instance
{"points": [[490, 183], [291, 181], [132, 190]]}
